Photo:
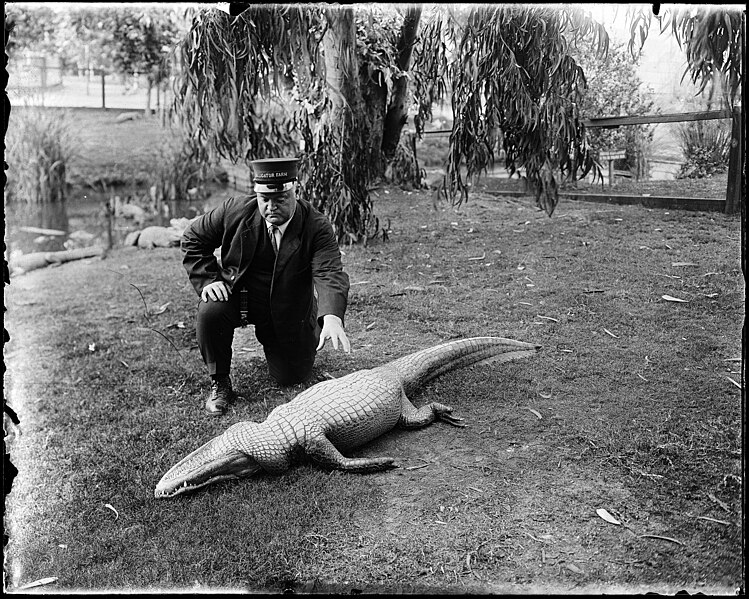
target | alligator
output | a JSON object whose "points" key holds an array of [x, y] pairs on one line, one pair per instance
{"points": [[337, 415]]}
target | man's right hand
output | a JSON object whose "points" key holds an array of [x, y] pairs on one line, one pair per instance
{"points": [[217, 291]]}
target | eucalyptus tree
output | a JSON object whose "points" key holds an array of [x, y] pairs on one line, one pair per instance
{"points": [[335, 84]]}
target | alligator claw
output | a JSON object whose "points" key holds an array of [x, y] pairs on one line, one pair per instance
{"points": [[454, 420]]}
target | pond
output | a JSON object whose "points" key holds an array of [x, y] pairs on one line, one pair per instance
{"points": [[82, 221]]}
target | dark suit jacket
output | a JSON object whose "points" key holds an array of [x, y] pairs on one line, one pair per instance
{"points": [[309, 259]]}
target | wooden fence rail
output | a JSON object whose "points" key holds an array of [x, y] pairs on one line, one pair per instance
{"points": [[736, 159]]}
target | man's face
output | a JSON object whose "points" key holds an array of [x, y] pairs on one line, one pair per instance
{"points": [[276, 207]]}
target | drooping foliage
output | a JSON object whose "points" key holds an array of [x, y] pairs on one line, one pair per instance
{"points": [[307, 80], [347, 71], [511, 74], [711, 36]]}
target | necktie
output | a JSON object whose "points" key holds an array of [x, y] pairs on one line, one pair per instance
{"points": [[275, 238]]}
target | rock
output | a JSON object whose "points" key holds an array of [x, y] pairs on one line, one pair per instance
{"points": [[152, 237], [131, 211], [81, 236], [128, 116], [132, 238], [180, 224]]}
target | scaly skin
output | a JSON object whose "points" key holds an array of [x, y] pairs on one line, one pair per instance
{"points": [[337, 415]]}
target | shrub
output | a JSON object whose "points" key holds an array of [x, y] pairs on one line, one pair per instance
{"points": [[706, 145], [181, 167], [40, 145]]}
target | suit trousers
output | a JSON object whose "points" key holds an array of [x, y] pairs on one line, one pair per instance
{"points": [[288, 362]]}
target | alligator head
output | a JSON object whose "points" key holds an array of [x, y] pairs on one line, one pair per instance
{"points": [[222, 458]]}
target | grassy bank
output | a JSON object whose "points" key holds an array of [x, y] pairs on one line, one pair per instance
{"points": [[630, 407]]}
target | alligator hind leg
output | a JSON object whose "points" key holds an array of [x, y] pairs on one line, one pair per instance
{"points": [[413, 417], [320, 449]]}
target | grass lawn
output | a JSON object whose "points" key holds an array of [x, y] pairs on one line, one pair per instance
{"points": [[630, 407]]}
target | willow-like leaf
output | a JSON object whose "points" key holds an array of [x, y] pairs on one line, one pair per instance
{"points": [[511, 73]]}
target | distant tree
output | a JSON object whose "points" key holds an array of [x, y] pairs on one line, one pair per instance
{"points": [[614, 88], [38, 29], [128, 39], [138, 41]]}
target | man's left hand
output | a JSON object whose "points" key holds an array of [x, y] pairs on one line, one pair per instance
{"points": [[333, 328]]}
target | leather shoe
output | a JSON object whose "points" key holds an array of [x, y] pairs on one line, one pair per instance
{"points": [[221, 396]]}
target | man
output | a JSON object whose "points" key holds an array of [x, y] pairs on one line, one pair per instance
{"points": [[280, 270]]}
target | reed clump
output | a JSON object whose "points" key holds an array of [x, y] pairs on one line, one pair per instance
{"points": [[40, 145]]}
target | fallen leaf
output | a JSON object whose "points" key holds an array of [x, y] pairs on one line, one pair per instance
{"points": [[610, 333], [734, 382], [369, 326], [481, 257], [683, 264], [662, 538], [606, 516], [532, 411], [642, 377], [573, 568], [40, 582], [545, 395], [161, 309], [713, 520], [670, 298], [125, 364], [92, 347], [111, 507], [713, 498], [413, 288], [546, 317]]}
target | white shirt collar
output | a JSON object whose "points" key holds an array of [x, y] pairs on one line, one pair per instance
{"points": [[282, 227]]}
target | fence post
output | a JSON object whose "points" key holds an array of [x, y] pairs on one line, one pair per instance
{"points": [[735, 164], [103, 92]]}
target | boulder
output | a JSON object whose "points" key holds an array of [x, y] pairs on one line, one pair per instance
{"points": [[132, 238], [153, 237]]}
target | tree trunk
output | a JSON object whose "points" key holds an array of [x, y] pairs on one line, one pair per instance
{"points": [[148, 97], [345, 129], [397, 114], [341, 64]]}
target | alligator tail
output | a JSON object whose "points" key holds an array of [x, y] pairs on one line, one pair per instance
{"points": [[422, 366]]}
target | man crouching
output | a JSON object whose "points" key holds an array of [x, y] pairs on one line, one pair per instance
{"points": [[276, 251]]}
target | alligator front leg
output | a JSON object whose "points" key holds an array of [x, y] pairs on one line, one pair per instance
{"points": [[320, 449], [413, 417]]}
